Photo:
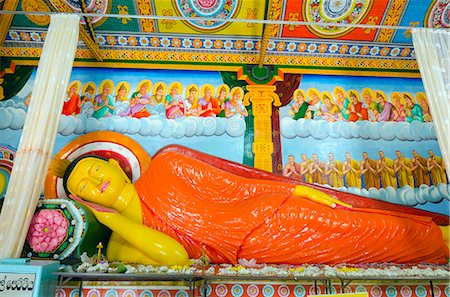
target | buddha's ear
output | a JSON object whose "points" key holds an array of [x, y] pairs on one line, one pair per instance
{"points": [[116, 164]]}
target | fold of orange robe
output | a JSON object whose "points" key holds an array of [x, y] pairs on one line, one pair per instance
{"points": [[235, 217]]}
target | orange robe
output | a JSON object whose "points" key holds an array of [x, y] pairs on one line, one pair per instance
{"points": [[70, 106], [235, 217]]}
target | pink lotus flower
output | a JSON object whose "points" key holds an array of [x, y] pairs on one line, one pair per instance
{"points": [[48, 229]]}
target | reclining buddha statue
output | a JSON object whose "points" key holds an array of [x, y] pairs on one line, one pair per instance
{"points": [[187, 202]]}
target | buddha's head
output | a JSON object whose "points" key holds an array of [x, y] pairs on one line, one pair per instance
{"points": [[97, 180]]}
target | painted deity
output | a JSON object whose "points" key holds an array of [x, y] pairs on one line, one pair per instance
{"points": [[235, 107], [209, 106], [328, 110], [399, 105], [422, 100], [313, 104], [386, 111], [370, 105], [413, 110], [139, 101], [174, 103], [355, 109], [191, 101], [222, 98], [72, 102], [122, 101], [342, 102], [87, 101], [104, 102], [299, 105]]}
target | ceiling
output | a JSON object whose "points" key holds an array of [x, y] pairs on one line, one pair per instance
{"points": [[235, 35]]}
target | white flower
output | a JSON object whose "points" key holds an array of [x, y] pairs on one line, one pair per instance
{"points": [[122, 40], [312, 47], [228, 44], [270, 45], [101, 39], [207, 43], [35, 36], [395, 51], [249, 45], [374, 50], [354, 49], [14, 35], [333, 48], [187, 43], [165, 42], [291, 46], [143, 41]]}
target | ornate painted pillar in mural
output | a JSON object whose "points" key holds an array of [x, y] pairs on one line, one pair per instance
{"points": [[262, 97]]}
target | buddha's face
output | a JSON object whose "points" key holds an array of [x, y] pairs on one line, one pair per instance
{"points": [[97, 181]]}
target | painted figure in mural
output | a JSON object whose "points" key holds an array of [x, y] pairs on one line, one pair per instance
{"points": [[292, 169], [72, 102], [304, 168], [386, 111], [422, 100], [158, 96], [328, 110], [191, 102], [419, 170], [385, 168], [309, 225], [369, 104], [412, 109], [299, 106], [104, 102], [122, 102], [235, 107], [436, 169], [369, 172], [333, 172], [139, 101], [209, 106], [316, 170], [342, 102], [87, 100], [402, 168], [313, 104], [174, 103], [222, 98], [355, 110], [399, 105], [351, 172]]}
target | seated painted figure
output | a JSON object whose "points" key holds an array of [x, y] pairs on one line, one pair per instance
{"points": [[187, 201]]}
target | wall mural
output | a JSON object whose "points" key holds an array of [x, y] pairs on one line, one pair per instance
{"points": [[370, 136]]}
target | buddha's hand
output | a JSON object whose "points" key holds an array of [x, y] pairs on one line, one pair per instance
{"points": [[318, 196]]}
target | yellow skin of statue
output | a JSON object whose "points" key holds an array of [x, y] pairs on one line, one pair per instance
{"points": [[103, 183]]}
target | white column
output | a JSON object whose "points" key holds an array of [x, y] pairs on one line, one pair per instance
{"points": [[432, 47], [39, 133]]}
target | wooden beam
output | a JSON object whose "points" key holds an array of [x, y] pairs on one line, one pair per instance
{"points": [[6, 19]]}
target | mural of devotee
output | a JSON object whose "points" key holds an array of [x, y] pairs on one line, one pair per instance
{"points": [[191, 101], [313, 103], [174, 103], [72, 101], [223, 92], [140, 99], [104, 102], [209, 106], [87, 100], [234, 108], [371, 136], [122, 102]]}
